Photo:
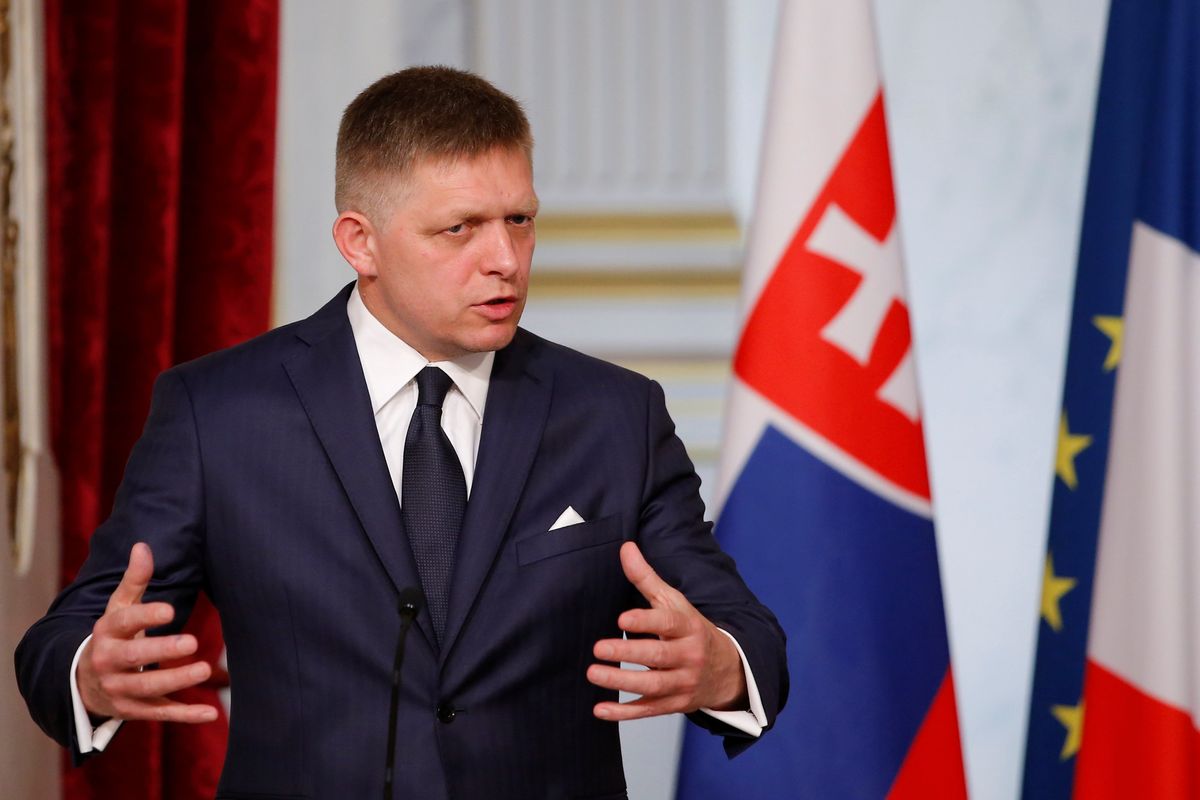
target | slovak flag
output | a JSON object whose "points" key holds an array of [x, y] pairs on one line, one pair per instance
{"points": [[1116, 692], [824, 496]]}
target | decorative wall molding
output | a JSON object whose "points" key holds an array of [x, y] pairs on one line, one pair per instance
{"points": [[22, 223], [677, 227], [10, 398], [626, 98], [30, 763], [621, 284]]}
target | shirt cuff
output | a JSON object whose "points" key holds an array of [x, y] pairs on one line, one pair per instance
{"points": [[88, 738], [749, 722]]}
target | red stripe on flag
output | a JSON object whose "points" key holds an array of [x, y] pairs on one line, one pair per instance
{"points": [[934, 766], [1133, 744], [783, 354]]}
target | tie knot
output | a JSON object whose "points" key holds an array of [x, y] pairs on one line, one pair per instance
{"points": [[432, 385]]}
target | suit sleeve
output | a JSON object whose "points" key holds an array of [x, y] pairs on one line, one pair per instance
{"points": [[680, 546], [160, 502]]}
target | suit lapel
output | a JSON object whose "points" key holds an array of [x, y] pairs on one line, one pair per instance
{"points": [[329, 381], [517, 403]]}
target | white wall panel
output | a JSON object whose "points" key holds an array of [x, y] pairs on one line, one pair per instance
{"points": [[627, 99]]}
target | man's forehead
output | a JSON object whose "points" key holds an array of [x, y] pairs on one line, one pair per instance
{"points": [[427, 186], [461, 177], [442, 163]]}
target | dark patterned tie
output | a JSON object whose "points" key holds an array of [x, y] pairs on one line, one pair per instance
{"points": [[433, 494]]}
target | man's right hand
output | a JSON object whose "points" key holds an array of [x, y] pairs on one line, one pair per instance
{"points": [[110, 677]]}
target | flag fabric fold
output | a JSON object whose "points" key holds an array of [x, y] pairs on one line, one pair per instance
{"points": [[1116, 692], [826, 499]]}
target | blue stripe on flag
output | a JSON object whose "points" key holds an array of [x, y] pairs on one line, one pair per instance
{"points": [[1170, 191], [854, 582]]}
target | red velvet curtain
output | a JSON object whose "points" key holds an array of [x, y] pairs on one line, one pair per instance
{"points": [[160, 135]]}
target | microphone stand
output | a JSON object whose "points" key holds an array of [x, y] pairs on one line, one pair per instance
{"points": [[410, 600]]}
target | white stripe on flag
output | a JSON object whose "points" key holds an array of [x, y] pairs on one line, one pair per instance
{"points": [[826, 76], [1146, 607], [755, 412]]}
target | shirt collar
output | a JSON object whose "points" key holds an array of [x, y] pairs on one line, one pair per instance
{"points": [[389, 363]]}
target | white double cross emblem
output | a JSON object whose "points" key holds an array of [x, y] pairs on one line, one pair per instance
{"points": [[855, 328]]}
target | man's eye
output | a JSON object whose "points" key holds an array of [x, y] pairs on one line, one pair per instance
{"points": [[520, 219], [459, 228]]}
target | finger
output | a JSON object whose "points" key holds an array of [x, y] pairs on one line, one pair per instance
{"points": [[643, 576], [163, 710], [136, 578], [111, 655], [661, 684], [155, 682], [635, 709], [127, 622], [665, 622], [648, 652]]}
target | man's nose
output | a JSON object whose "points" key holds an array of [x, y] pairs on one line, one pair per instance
{"points": [[500, 256]]}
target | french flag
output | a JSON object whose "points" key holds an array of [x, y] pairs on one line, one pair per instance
{"points": [[1116, 695], [824, 496]]}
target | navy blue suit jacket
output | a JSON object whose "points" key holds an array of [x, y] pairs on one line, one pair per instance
{"points": [[260, 479]]}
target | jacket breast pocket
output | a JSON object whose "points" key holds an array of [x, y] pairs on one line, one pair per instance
{"points": [[569, 539]]}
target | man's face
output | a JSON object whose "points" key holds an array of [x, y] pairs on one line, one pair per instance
{"points": [[451, 258]]}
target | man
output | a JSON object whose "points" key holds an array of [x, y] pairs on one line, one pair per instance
{"points": [[310, 477]]}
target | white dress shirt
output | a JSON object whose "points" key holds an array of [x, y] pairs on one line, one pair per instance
{"points": [[389, 366]]}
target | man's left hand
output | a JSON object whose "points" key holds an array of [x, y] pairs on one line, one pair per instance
{"points": [[692, 664]]}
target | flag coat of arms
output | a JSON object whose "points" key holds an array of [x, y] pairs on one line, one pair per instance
{"points": [[825, 497], [1116, 692]]}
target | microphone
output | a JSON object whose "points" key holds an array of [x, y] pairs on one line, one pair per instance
{"points": [[409, 603]]}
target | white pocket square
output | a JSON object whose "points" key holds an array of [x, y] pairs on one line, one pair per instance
{"points": [[568, 517]]}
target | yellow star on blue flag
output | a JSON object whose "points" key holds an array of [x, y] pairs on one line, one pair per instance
{"points": [[1071, 718], [1053, 589], [1114, 329], [1069, 446]]}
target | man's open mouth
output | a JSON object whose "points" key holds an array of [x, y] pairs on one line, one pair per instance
{"points": [[497, 309]]}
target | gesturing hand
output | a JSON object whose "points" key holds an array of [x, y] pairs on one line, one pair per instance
{"points": [[692, 664], [109, 674]]}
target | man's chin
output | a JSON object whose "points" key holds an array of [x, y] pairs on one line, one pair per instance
{"points": [[495, 338]]}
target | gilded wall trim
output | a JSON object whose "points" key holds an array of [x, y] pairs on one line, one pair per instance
{"points": [[8, 290], [690, 228], [634, 284]]}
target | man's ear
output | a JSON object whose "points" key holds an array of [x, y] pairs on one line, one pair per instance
{"points": [[355, 239]]}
